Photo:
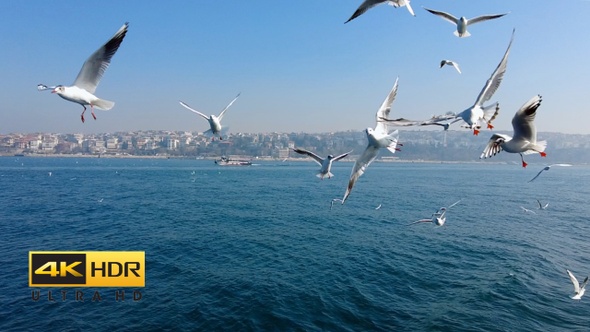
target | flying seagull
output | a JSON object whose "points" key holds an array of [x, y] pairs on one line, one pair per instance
{"points": [[438, 218], [325, 163], [463, 22], [541, 206], [546, 168], [579, 289], [450, 63], [368, 4], [214, 121], [378, 138], [525, 134], [478, 112], [82, 91]]}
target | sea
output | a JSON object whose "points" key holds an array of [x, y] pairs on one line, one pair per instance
{"points": [[260, 248]]}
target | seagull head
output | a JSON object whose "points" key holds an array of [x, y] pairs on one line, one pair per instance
{"points": [[58, 89], [330, 157]]}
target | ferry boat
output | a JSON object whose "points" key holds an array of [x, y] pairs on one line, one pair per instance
{"points": [[225, 161]]}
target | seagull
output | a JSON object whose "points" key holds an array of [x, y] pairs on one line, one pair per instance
{"points": [[438, 218], [82, 91], [541, 206], [450, 63], [378, 207], [525, 135], [325, 163], [580, 289], [527, 210], [214, 121], [463, 22], [378, 138], [368, 4], [546, 168], [478, 113]]}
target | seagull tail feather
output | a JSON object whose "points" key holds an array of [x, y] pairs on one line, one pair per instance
{"points": [[104, 105]]}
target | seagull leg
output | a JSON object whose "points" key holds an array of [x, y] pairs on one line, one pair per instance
{"points": [[92, 111], [490, 126], [82, 115], [523, 163]]}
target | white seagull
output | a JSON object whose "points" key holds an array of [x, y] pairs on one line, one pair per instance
{"points": [[450, 63], [463, 22], [325, 163], [438, 218], [368, 4], [82, 91], [214, 121], [525, 134], [546, 168], [579, 289], [378, 138], [541, 206], [478, 112]]}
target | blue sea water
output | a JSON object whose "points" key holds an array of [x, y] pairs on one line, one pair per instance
{"points": [[258, 248]]}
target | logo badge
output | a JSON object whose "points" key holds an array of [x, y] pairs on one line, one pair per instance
{"points": [[86, 269]]}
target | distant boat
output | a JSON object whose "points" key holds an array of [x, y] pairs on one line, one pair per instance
{"points": [[225, 161], [19, 154]]}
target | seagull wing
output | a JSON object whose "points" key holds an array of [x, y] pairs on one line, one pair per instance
{"points": [[456, 66], [574, 281], [484, 18], [193, 110], [402, 122], [407, 3], [523, 120], [493, 147], [366, 5], [533, 179], [421, 220], [341, 156], [315, 157], [494, 81], [359, 168], [445, 16], [95, 66], [457, 202], [226, 107], [385, 109]]}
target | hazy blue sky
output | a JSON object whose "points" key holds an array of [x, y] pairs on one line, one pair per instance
{"points": [[298, 67]]}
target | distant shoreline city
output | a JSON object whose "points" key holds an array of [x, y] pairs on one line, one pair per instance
{"points": [[417, 145]]}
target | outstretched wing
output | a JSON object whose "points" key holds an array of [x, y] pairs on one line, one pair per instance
{"points": [[385, 109], [523, 120], [494, 81], [493, 146], [445, 16], [366, 5], [193, 110], [421, 220], [95, 66], [315, 157], [226, 107], [574, 281], [457, 202], [359, 168], [341, 156], [484, 18]]}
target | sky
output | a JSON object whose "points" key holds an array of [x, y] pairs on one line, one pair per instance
{"points": [[298, 67]]}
